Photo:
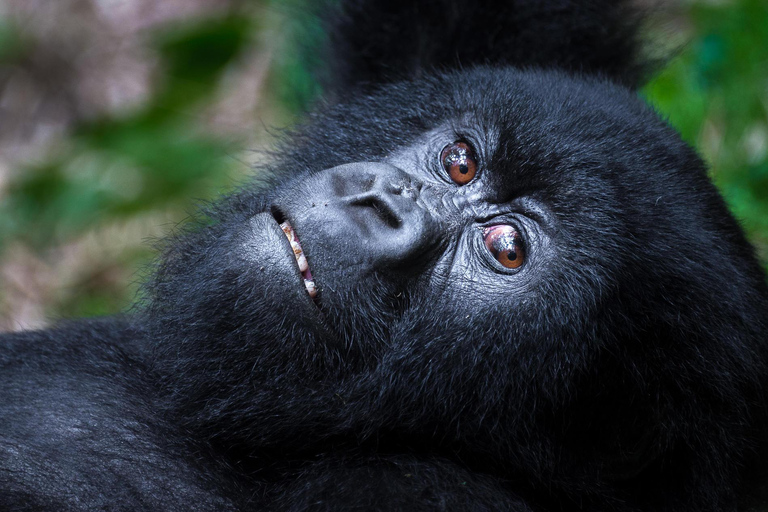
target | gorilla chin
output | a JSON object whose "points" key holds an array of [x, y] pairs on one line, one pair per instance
{"points": [[487, 277]]}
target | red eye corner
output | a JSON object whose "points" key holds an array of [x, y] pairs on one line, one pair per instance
{"points": [[505, 244], [459, 162]]}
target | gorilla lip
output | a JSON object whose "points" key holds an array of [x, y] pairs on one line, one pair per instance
{"points": [[301, 259]]}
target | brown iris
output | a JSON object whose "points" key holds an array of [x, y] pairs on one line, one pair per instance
{"points": [[505, 244], [459, 162]]}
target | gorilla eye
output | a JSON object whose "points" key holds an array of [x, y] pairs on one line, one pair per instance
{"points": [[459, 162], [505, 244]]}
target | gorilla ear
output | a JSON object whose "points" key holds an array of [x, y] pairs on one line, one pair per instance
{"points": [[371, 42]]}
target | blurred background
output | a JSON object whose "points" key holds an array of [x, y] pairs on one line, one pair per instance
{"points": [[118, 117]]}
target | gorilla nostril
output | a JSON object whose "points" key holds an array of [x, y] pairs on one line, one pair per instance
{"points": [[382, 210]]}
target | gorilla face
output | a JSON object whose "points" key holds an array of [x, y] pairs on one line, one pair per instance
{"points": [[493, 251], [482, 207]]}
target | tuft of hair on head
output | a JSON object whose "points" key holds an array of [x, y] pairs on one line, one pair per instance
{"points": [[374, 42]]}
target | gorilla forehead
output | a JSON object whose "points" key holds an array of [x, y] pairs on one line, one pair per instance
{"points": [[566, 137]]}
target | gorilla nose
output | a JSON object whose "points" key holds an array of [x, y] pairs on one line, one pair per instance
{"points": [[380, 203]]}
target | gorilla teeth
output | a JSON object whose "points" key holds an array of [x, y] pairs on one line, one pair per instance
{"points": [[298, 252], [310, 286], [301, 260]]}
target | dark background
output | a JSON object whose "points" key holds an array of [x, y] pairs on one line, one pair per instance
{"points": [[119, 117]]}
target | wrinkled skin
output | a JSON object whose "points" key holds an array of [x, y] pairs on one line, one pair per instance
{"points": [[621, 366]]}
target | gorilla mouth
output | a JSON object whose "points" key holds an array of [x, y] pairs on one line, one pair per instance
{"points": [[301, 259]]}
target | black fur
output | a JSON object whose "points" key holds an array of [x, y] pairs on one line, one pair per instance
{"points": [[379, 41], [622, 368]]}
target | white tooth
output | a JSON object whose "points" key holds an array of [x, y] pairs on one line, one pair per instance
{"points": [[302, 261], [310, 286], [288, 230], [296, 248]]}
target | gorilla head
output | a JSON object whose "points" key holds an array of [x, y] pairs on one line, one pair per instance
{"points": [[483, 275], [521, 269]]}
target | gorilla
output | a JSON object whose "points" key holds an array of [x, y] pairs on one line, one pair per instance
{"points": [[482, 275]]}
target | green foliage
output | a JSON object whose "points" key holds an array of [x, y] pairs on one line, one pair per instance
{"points": [[11, 41], [298, 60], [153, 158], [716, 94], [194, 57]]}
